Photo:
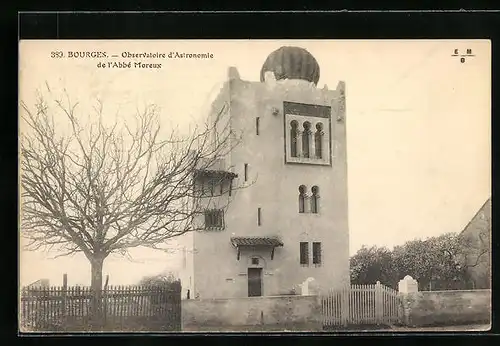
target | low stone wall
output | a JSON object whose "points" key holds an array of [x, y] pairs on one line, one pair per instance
{"points": [[428, 308], [303, 313], [290, 312]]}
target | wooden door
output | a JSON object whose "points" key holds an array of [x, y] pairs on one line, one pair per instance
{"points": [[254, 282]]}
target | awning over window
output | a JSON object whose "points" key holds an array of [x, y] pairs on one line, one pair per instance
{"points": [[270, 242], [256, 241], [214, 174]]}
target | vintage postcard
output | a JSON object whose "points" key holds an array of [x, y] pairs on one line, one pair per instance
{"points": [[254, 185]]}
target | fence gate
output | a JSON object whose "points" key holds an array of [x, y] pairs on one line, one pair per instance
{"points": [[362, 305]]}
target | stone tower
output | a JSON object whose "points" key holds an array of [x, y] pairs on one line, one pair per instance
{"points": [[290, 221]]}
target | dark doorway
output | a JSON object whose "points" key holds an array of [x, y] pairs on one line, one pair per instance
{"points": [[254, 282]]}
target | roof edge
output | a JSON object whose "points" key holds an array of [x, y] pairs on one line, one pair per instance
{"points": [[475, 215]]}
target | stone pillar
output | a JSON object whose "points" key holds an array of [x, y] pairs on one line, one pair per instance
{"points": [[299, 141], [407, 287], [305, 288], [309, 287], [312, 144]]}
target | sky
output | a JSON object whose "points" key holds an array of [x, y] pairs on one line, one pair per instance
{"points": [[418, 127]]}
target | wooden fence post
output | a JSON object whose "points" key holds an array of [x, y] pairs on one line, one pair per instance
{"points": [[344, 303], [64, 294], [105, 301], [378, 303]]}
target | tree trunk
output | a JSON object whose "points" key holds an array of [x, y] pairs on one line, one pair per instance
{"points": [[96, 288]]}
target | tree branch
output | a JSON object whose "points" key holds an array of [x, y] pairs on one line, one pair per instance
{"points": [[100, 189]]}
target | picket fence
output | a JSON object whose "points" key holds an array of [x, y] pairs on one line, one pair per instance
{"points": [[361, 305], [123, 308]]}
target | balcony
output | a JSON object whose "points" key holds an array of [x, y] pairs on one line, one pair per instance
{"points": [[214, 170]]}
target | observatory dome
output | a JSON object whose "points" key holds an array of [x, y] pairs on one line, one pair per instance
{"points": [[291, 63]]}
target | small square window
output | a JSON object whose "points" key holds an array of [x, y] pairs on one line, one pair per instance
{"points": [[214, 218], [255, 261]]}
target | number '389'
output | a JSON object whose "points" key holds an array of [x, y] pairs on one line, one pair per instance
{"points": [[56, 54]]}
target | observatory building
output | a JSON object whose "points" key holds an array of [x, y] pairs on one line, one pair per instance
{"points": [[289, 221]]}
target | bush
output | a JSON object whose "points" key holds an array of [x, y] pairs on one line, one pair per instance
{"points": [[159, 280], [168, 282]]}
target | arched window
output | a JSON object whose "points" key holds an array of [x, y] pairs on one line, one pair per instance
{"points": [[305, 139], [318, 140], [302, 199], [315, 200], [293, 138]]}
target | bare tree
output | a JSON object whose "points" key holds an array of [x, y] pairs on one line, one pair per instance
{"points": [[476, 255], [100, 189]]}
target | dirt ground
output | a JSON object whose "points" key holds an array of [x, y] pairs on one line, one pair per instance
{"points": [[243, 329], [465, 328]]}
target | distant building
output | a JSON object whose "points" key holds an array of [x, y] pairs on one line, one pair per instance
{"points": [[291, 222], [477, 234]]}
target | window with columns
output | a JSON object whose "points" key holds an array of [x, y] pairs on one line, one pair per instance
{"points": [[306, 147], [313, 200], [307, 134]]}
